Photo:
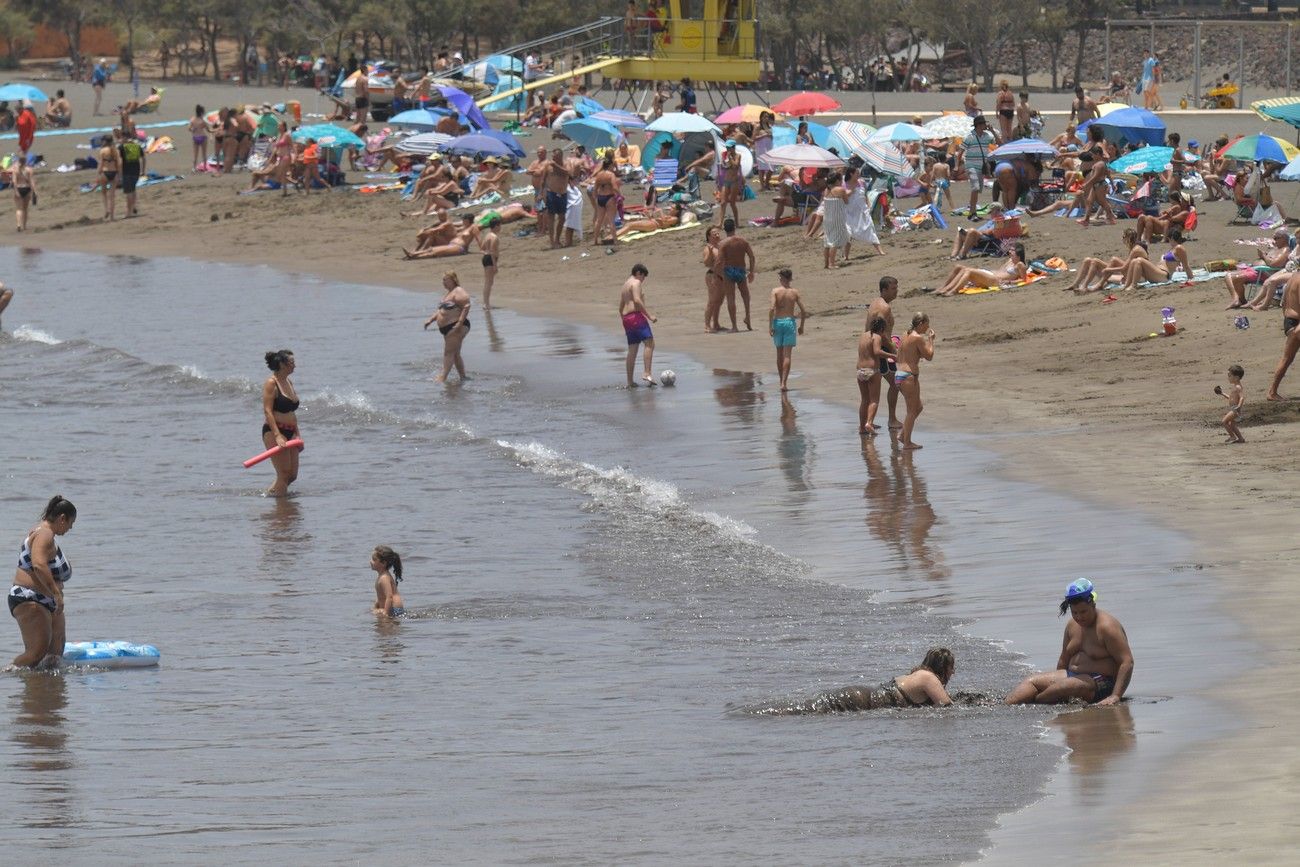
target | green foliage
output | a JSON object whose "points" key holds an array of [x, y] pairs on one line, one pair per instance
{"points": [[17, 30]]}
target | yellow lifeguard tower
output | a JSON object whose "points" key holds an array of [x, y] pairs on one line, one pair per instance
{"points": [[708, 41]]}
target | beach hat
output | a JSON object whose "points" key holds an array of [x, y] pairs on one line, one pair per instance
{"points": [[1080, 590], [493, 160], [731, 143], [1193, 143]]}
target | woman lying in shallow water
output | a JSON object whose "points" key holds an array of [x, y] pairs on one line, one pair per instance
{"points": [[924, 685]]}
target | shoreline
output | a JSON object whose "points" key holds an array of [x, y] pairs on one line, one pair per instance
{"points": [[1113, 417]]}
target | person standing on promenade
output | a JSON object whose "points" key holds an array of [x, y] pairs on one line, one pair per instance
{"points": [[880, 309], [636, 324], [916, 345], [1151, 76], [1083, 109], [36, 597], [737, 270], [98, 78], [490, 245], [1291, 329], [1096, 663], [780, 324]]}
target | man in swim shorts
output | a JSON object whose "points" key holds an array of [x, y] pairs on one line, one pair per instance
{"points": [[780, 323], [636, 323], [556, 181], [1096, 663], [738, 264], [1290, 328], [880, 309]]}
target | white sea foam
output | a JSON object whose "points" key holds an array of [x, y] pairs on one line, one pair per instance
{"points": [[618, 485], [35, 335], [349, 400]]}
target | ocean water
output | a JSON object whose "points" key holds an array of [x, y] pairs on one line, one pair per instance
{"points": [[598, 580]]}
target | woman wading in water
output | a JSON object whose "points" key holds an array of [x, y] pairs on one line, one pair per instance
{"points": [[924, 685], [36, 597], [279, 407]]}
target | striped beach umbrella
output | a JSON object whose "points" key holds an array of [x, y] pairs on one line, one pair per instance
{"points": [[801, 156], [1260, 147], [424, 144], [846, 136]]}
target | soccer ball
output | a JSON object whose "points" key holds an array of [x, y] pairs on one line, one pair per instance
{"points": [[668, 378]]}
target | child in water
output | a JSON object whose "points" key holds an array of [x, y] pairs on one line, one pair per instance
{"points": [[1235, 396], [388, 574]]}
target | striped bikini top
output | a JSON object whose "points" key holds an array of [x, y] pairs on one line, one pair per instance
{"points": [[60, 568]]}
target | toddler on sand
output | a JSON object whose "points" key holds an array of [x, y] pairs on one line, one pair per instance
{"points": [[1235, 396]]}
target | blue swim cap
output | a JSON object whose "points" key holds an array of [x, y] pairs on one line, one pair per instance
{"points": [[1081, 590]]}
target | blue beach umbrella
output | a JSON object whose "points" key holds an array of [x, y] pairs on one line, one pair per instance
{"points": [[506, 139], [684, 122], [591, 133], [585, 105], [17, 92], [1130, 125], [476, 144], [464, 103], [1151, 159], [328, 135], [783, 134], [422, 119], [1285, 109], [619, 118]]}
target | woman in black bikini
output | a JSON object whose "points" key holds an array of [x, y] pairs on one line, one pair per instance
{"points": [[452, 319], [279, 406], [36, 597], [24, 192], [109, 163], [925, 685]]}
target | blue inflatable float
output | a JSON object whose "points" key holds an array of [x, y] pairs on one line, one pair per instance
{"points": [[110, 654]]}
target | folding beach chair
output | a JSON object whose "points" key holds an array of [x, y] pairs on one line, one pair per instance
{"points": [[665, 175]]}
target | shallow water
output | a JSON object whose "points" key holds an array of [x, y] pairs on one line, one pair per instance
{"points": [[596, 578]]}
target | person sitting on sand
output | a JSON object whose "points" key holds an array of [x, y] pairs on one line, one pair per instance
{"points": [[60, 111], [1013, 271], [1270, 258], [1141, 268], [443, 194], [968, 239], [658, 220], [466, 234], [1095, 665], [493, 179], [1067, 141], [1171, 220], [1099, 270], [148, 104], [925, 685]]}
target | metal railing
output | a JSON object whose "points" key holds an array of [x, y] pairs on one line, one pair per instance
{"points": [[604, 36]]}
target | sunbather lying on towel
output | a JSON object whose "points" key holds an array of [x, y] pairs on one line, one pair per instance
{"points": [[1012, 271], [658, 220], [466, 233]]}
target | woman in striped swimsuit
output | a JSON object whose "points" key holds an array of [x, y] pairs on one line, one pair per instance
{"points": [[36, 598]]}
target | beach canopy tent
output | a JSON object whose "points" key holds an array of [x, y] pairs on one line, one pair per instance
{"points": [[651, 149], [1130, 125], [592, 133], [507, 82], [784, 134]]}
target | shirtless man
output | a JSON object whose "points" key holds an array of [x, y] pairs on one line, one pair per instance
{"points": [[780, 323], [537, 173], [604, 188], [490, 244], [738, 265], [60, 111], [439, 233], [880, 309], [636, 323], [1291, 328], [1084, 107], [1096, 663], [458, 246], [556, 181]]}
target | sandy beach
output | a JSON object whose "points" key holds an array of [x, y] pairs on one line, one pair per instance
{"points": [[1116, 417]]}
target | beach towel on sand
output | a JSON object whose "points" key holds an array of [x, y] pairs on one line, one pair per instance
{"points": [[1033, 277], [636, 236]]}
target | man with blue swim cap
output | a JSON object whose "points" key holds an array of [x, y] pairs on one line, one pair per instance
{"points": [[1096, 663]]}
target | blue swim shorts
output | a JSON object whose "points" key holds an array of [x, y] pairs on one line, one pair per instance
{"points": [[784, 331]]}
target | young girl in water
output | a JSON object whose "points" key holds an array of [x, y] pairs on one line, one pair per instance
{"points": [[388, 574]]}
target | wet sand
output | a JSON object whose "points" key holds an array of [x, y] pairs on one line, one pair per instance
{"points": [[1115, 417]]}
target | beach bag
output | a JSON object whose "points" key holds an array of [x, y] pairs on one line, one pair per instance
{"points": [[1008, 228], [1221, 265], [1190, 223]]}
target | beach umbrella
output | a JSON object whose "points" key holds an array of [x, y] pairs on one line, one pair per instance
{"points": [[586, 106], [424, 143], [1285, 109], [1292, 171], [896, 132], [328, 135], [1107, 107], [514, 103], [1130, 125], [884, 157], [847, 136], [1260, 147], [16, 92], [1025, 147], [801, 156], [505, 63], [1153, 159], [464, 103], [506, 139], [747, 113], [477, 144], [805, 103], [681, 121], [592, 133], [422, 119], [949, 126], [619, 118]]}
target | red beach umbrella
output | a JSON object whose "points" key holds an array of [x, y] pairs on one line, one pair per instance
{"points": [[805, 103]]}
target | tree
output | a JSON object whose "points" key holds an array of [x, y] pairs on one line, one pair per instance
{"points": [[128, 13], [17, 30], [66, 16], [984, 28]]}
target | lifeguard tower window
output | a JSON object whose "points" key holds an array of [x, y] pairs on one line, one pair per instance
{"points": [[692, 9]]}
